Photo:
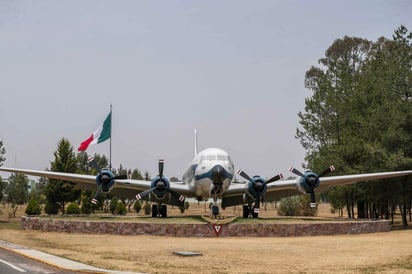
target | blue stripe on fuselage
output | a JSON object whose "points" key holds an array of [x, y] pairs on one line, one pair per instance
{"points": [[208, 175]]}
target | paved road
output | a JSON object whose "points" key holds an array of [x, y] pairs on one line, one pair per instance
{"points": [[19, 259], [13, 263]]}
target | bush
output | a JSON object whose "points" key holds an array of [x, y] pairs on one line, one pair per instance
{"points": [[289, 206], [33, 208], [147, 209], [113, 205], [73, 208], [51, 207], [121, 208], [137, 206], [296, 206], [306, 210], [86, 207]]}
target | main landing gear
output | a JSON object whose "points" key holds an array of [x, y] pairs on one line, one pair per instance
{"points": [[214, 210], [250, 211], [159, 211]]}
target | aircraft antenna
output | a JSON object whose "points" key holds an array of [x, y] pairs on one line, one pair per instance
{"points": [[110, 146], [195, 142]]}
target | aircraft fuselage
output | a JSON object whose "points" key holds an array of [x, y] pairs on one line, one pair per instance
{"points": [[209, 174]]}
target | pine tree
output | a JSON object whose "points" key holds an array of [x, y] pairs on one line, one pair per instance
{"points": [[59, 192]]}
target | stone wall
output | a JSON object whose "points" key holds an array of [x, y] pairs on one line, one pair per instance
{"points": [[206, 230]]}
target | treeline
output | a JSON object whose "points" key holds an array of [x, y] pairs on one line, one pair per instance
{"points": [[359, 117]]}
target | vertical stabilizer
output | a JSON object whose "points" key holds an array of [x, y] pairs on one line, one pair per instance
{"points": [[195, 142]]}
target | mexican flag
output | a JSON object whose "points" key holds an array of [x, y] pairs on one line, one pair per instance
{"points": [[100, 135]]}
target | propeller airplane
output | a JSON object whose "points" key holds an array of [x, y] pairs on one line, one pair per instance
{"points": [[210, 175]]}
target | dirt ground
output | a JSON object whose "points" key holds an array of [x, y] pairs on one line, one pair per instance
{"points": [[366, 253]]}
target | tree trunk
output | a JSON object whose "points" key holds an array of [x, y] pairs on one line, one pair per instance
{"points": [[402, 207], [361, 209]]}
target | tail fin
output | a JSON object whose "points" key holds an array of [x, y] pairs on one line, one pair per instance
{"points": [[196, 143]]}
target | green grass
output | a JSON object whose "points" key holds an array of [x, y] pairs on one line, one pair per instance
{"points": [[286, 220], [135, 219]]}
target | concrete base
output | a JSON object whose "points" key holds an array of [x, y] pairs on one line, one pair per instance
{"points": [[206, 230]]}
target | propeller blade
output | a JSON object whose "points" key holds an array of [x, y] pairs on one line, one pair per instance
{"points": [[296, 172], [179, 197], [143, 194], [120, 177], [161, 166], [326, 171], [244, 175], [93, 163], [275, 178], [96, 195]]}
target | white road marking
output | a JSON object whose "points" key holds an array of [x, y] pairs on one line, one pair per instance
{"points": [[12, 266]]}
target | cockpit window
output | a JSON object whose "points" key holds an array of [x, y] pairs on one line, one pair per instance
{"points": [[222, 157], [213, 157], [210, 157]]}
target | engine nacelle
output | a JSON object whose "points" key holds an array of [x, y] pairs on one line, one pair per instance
{"points": [[162, 184], [307, 183], [106, 179], [256, 187]]}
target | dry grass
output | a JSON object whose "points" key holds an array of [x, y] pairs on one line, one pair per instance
{"points": [[367, 253]]}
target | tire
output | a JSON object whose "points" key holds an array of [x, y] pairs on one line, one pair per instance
{"points": [[154, 211], [163, 211], [215, 211], [254, 214], [246, 211]]}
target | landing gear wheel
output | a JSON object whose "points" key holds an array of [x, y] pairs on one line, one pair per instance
{"points": [[246, 211], [154, 211], [255, 214], [163, 211], [215, 211]]}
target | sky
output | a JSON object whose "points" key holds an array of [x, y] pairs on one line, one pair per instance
{"points": [[234, 70]]}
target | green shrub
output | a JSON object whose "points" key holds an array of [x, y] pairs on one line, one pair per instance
{"points": [[121, 208], [289, 206], [113, 205], [73, 208], [137, 206], [51, 207], [33, 208], [147, 209], [296, 206], [86, 206], [305, 208]]}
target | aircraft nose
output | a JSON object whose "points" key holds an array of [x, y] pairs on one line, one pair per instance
{"points": [[218, 174]]}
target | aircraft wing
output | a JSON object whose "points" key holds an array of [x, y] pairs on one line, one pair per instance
{"points": [[286, 188], [127, 188]]}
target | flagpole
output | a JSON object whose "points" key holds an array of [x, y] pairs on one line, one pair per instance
{"points": [[110, 152]]}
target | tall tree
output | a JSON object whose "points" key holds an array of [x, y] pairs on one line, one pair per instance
{"points": [[59, 192], [3, 185], [2, 152], [17, 191], [2, 159], [359, 116]]}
